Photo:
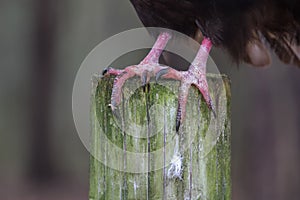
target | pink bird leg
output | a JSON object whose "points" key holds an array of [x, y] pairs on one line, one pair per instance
{"points": [[196, 75], [149, 67]]}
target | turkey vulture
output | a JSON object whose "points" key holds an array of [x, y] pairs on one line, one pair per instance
{"points": [[246, 29]]}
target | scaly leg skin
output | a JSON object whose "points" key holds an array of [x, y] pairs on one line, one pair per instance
{"points": [[196, 75], [147, 68]]}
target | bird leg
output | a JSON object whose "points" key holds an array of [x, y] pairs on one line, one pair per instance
{"points": [[196, 75], [149, 67]]}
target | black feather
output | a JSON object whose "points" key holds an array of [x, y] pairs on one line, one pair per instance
{"points": [[233, 25]]}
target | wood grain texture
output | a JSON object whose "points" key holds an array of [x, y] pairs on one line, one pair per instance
{"points": [[136, 151]]}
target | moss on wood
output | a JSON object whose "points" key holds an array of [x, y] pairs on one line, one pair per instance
{"points": [[135, 148]]}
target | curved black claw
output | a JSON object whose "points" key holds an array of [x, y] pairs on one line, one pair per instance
{"points": [[180, 110], [161, 73], [144, 77], [177, 125], [146, 87], [105, 71]]}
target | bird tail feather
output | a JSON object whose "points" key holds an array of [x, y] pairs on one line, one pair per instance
{"points": [[286, 48]]}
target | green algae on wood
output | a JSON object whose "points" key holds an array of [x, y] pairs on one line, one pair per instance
{"points": [[135, 150]]}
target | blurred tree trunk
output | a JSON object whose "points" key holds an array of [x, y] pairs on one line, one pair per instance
{"points": [[41, 165]]}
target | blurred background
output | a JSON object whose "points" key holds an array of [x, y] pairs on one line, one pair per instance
{"points": [[42, 44]]}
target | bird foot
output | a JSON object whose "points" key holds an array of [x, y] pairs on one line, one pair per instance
{"points": [[194, 76], [149, 67], [144, 71]]}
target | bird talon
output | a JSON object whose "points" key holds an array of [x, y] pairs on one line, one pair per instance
{"points": [[161, 72], [146, 87], [112, 107], [145, 78], [177, 125], [105, 71]]}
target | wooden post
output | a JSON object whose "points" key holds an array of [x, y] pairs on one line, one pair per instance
{"points": [[137, 154]]}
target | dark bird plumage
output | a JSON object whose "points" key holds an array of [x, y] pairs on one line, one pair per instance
{"points": [[246, 29]]}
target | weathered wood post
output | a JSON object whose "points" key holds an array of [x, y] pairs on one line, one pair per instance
{"points": [[136, 153]]}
